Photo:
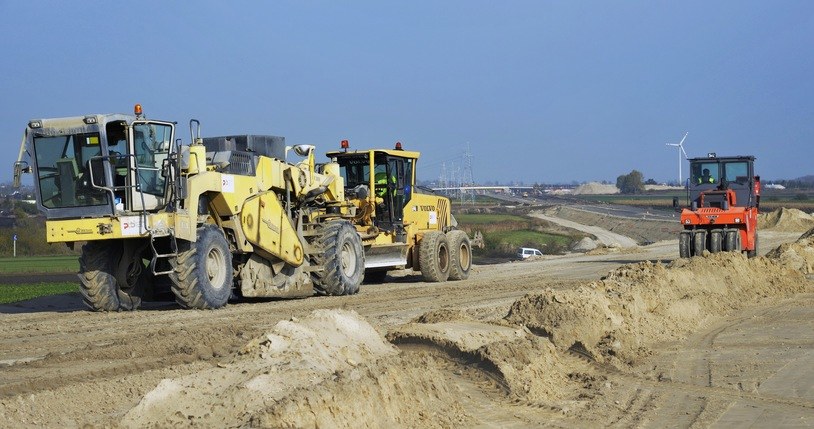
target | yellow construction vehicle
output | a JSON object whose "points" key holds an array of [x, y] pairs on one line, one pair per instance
{"points": [[401, 225], [223, 216]]}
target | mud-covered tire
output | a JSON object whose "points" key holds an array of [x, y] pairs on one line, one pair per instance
{"points": [[340, 258], [699, 242], [375, 276], [434, 256], [98, 286], [685, 244], [460, 253], [202, 275], [715, 241]]}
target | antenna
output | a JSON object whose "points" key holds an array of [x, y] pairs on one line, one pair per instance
{"points": [[681, 150]]}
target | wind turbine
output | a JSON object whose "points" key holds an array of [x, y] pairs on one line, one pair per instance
{"points": [[681, 150]]}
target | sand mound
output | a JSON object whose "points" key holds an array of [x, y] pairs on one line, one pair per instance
{"points": [[584, 245], [295, 376], [785, 220], [799, 255], [613, 320], [527, 365], [594, 188]]}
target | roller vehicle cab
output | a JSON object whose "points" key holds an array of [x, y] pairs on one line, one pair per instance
{"points": [[723, 196]]}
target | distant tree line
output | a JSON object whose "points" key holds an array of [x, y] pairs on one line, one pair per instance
{"points": [[631, 183]]}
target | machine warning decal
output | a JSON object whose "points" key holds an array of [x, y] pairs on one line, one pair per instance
{"points": [[433, 218], [227, 182], [131, 225]]}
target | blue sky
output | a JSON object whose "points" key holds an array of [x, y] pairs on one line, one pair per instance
{"points": [[541, 91]]}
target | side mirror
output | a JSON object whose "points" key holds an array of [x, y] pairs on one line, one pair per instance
{"points": [[20, 167]]}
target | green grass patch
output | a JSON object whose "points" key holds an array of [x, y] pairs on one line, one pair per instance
{"points": [[486, 219], [21, 292], [39, 264], [504, 233]]}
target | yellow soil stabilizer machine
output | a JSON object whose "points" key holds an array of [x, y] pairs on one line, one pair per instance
{"points": [[401, 225], [222, 217]]}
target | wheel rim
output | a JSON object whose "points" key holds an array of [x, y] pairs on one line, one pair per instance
{"points": [[348, 259], [215, 271], [463, 256], [443, 258]]}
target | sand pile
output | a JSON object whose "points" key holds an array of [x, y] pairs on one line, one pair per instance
{"points": [[594, 188], [785, 220], [584, 245], [331, 369], [527, 365], [614, 319], [799, 255]]}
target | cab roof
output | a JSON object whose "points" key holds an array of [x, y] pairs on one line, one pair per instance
{"points": [[723, 158], [391, 152]]}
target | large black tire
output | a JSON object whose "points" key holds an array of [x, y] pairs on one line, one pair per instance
{"points": [[699, 242], [460, 253], [732, 240], [434, 257], [340, 256], [684, 244], [98, 286], [715, 240], [753, 253], [202, 272]]}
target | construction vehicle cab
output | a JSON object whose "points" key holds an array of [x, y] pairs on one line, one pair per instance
{"points": [[90, 166], [723, 197], [401, 226]]}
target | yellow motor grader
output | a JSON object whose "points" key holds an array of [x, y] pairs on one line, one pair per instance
{"points": [[401, 225], [221, 216]]}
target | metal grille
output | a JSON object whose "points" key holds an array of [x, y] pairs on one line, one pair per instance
{"points": [[443, 213]]}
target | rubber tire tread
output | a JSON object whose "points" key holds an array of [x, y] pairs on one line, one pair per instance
{"points": [[685, 244], [731, 240], [190, 282], [432, 248], [699, 242], [459, 249], [97, 282], [715, 241], [332, 279]]}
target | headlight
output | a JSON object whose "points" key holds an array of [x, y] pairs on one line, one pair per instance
{"points": [[35, 124], [737, 220], [90, 120]]}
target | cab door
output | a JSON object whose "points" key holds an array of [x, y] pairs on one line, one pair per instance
{"points": [[150, 142]]}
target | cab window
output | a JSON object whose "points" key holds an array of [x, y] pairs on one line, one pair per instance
{"points": [[737, 172]]}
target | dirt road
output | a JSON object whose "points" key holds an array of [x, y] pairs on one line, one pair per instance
{"points": [[274, 363], [604, 236]]}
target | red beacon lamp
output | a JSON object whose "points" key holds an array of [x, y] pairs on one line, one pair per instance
{"points": [[137, 110], [344, 145], [398, 146]]}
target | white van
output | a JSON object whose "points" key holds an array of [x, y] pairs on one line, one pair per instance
{"points": [[525, 252]]}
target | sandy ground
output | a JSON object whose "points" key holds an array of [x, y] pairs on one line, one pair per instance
{"points": [[623, 338]]}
